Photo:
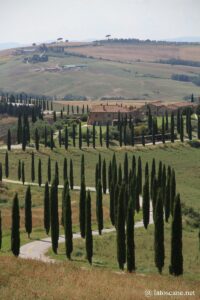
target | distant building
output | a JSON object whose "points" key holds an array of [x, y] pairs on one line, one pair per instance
{"points": [[107, 114]]}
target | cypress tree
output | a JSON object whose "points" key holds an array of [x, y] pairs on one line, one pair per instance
{"points": [[104, 179], [88, 229], [99, 207], [6, 165], [28, 211], [139, 175], [49, 169], [116, 201], [159, 234], [46, 209], [166, 121], [19, 170], [32, 167], [133, 164], [112, 203], [59, 138], [23, 173], [94, 136], [0, 230], [178, 121], [126, 168], [88, 137], [189, 126], [109, 175], [176, 267], [132, 135], [82, 207], [160, 175], [99, 166], [146, 203], [54, 116], [130, 237], [100, 136], [182, 129], [52, 141], [9, 140], [125, 135], [65, 176], [167, 199], [172, 191], [198, 128], [172, 127], [120, 134], [107, 136], [163, 130], [66, 138], [154, 195], [24, 138], [80, 136], [68, 224], [121, 235], [54, 216], [15, 226], [39, 172], [96, 175], [36, 139], [153, 174], [56, 174], [71, 175]]}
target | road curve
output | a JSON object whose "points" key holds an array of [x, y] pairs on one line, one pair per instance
{"points": [[37, 249]]}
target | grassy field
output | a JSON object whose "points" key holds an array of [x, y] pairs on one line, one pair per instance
{"points": [[35, 280], [182, 157], [105, 253], [101, 78]]}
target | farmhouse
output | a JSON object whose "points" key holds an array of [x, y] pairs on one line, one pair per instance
{"points": [[106, 114]]}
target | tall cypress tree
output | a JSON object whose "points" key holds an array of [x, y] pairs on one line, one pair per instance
{"points": [[181, 129], [172, 190], [46, 208], [112, 204], [176, 267], [32, 167], [28, 211], [54, 216], [104, 178], [80, 136], [130, 237], [68, 224], [139, 175], [66, 138], [107, 136], [19, 172], [56, 174], [88, 137], [6, 165], [71, 175], [24, 137], [153, 174], [49, 169], [99, 207], [126, 168], [159, 234], [120, 134], [93, 136], [39, 172], [88, 229], [166, 121], [65, 174], [36, 139], [121, 235], [154, 195], [160, 175], [52, 141], [82, 207], [0, 230], [15, 226], [23, 173], [172, 127], [9, 140], [59, 138], [167, 199], [100, 136], [109, 175], [146, 203]]}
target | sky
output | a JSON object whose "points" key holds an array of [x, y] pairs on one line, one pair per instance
{"points": [[28, 21]]}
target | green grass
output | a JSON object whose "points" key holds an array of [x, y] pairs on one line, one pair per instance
{"points": [[105, 252], [182, 157]]}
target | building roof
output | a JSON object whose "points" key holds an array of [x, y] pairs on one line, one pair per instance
{"points": [[102, 108]]}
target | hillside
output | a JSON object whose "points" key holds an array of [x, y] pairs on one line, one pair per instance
{"points": [[127, 71]]}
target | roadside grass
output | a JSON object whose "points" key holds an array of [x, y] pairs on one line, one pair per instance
{"points": [[27, 279], [105, 254]]}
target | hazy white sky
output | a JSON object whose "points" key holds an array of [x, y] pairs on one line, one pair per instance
{"points": [[28, 21]]}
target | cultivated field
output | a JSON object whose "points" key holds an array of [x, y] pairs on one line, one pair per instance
{"points": [[113, 76]]}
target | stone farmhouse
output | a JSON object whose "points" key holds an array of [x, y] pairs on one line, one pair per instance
{"points": [[103, 114]]}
